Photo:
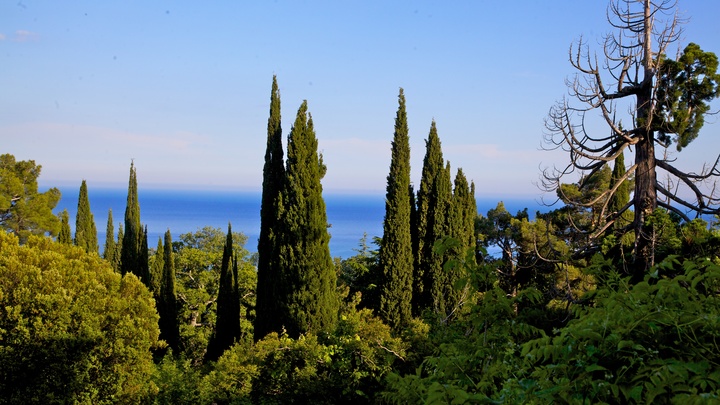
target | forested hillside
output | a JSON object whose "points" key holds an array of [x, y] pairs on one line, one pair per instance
{"points": [[613, 296]]}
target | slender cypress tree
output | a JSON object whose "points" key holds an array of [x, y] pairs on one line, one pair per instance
{"points": [[307, 290], [621, 197], [64, 236], [85, 230], [396, 258], [117, 257], [267, 312], [222, 337], [461, 227], [156, 270], [109, 249], [132, 238], [433, 165], [436, 280], [144, 261], [167, 299]]}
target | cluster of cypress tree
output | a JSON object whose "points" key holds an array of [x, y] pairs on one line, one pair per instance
{"points": [[296, 290], [415, 276]]}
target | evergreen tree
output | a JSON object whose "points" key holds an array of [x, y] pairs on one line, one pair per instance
{"points": [[396, 258], [144, 261], [167, 299], [117, 257], [621, 197], [132, 238], [64, 236], [433, 165], [307, 285], [267, 312], [85, 230], [109, 250], [156, 269], [225, 322], [438, 285]]}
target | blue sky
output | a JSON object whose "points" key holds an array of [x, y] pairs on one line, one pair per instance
{"points": [[183, 87]]}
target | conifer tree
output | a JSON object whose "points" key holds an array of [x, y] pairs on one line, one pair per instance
{"points": [[267, 315], [117, 257], [396, 258], [621, 197], [156, 269], [223, 336], [167, 299], [85, 230], [64, 236], [132, 238], [144, 261], [307, 286], [109, 249], [427, 217], [436, 280]]}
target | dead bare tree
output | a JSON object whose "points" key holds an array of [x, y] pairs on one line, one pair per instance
{"points": [[666, 100]]}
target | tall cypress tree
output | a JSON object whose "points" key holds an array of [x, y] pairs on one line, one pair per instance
{"points": [[156, 269], [132, 238], [109, 249], [461, 227], [167, 299], [436, 280], [64, 236], [222, 337], [396, 258], [85, 230], [117, 257], [427, 217], [144, 261], [267, 312], [307, 289]]}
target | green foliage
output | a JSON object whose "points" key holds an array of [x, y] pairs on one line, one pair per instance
{"points": [[178, 381], [396, 256], [268, 266], [685, 87], [347, 365], [85, 230], [360, 273], [110, 249], [305, 291], [71, 330], [167, 299], [23, 210], [433, 202], [198, 259], [130, 261], [227, 322], [638, 344], [64, 236]]}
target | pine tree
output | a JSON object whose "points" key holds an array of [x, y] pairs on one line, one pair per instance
{"points": [[223, 337], [396, 258], [85, 230], [109, 249], [132, 239], [267, 312], [307, 285], [427, 217], [167, 299], [64, 234]]}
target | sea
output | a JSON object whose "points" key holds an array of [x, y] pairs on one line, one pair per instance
{"points": [[350, 216]]}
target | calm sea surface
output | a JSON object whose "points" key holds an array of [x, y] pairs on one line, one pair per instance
{"points": [[186, 211]]}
